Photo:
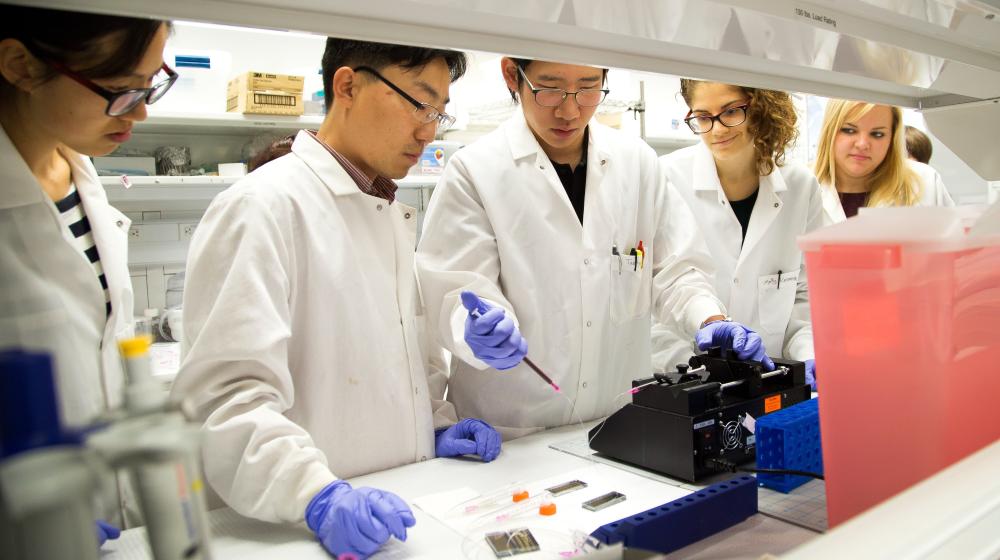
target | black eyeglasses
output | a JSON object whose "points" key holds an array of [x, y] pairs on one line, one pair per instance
{"points": [[425, 113], [554, 97], [733, 116], [121, 102]]}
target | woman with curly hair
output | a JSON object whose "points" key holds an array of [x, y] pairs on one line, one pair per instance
{"points": [[861, 161], [750, 206]]}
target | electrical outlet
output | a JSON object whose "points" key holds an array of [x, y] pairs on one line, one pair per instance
{"points": [[134, 233], [187, 231]]}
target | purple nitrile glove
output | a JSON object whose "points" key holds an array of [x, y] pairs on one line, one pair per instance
{"points": [[106, 532], [469, 437], [811, 373], [731, 335], [492, 334], [357, 522]]}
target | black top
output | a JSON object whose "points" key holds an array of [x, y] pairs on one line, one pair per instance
{"points": [[851, 201], [574, 180], [743, 209]]}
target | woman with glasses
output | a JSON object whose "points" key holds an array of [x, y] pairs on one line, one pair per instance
{"points": [[71, 86], [861, 161], [750, 206], [564, 241]]}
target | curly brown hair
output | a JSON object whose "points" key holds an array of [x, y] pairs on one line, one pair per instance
{"points": [[771, 119]]}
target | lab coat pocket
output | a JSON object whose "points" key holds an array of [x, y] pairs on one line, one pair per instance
{"points": [[629, 290], [775, 299]]}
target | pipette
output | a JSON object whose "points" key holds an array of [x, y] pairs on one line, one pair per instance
{"points": [[499, 498], [470, 299]]}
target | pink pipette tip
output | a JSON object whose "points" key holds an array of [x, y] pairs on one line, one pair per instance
{"points": [[554, 386]]}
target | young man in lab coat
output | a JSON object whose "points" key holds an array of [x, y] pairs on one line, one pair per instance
{"points": [[564, 231], [302, 356]]}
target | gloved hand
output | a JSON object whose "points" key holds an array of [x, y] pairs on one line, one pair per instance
{"points": [[357, 522], [811, 373], [491, 334], [739, 338], [105, 532], [470, 436]]}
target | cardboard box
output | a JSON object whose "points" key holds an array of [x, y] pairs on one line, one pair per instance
{"points": [[263, 81], [265, 94]]}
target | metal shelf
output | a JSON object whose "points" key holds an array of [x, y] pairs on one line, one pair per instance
{"points": [[201, 189], [224, 123], [163, 188]]}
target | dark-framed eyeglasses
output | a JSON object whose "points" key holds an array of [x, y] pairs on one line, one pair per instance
{"points": [[733, 116], [121, 102], [554, 97], [425, 113]]}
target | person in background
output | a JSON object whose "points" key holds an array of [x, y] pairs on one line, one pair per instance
{"points": [[567, 239], [280, 147], [861, 161], [72, 85], [302, 354], [749, 206], [918, 145]]}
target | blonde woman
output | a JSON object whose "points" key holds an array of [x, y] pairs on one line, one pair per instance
{"points": [[861, 161], [749, 206]]}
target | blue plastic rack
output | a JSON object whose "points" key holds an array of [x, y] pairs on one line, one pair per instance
{"points": [[789, 439], [683, 521]]}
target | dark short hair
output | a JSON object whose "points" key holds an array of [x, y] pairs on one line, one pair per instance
{"points": [[351, 53], [523, 63], [93, 45], [918, 145], [280, 147]]}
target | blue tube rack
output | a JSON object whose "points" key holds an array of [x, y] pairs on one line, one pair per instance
{"points": [[676, 524], [789, 439]]}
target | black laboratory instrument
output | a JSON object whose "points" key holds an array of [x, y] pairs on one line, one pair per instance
{"points": [[679, 420]]}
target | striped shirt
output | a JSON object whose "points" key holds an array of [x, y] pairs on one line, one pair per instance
{"points": [[380, 187], [72, 215]]}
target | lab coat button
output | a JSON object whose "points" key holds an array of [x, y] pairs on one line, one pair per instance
{"points": [[604, 162], [584, 384], [407, 215], [776, 205], [416, 391], [119, 223], [588, 323], [736, 281], [586, 261], [379, 207]]}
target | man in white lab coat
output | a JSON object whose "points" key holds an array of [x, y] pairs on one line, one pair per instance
{"points": [[302, 354], [565, 230]]}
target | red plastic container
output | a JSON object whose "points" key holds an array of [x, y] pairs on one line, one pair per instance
{"points": [[906, 321]]}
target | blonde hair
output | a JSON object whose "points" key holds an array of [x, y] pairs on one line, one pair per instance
{"points": [[892, 183], [771, 121]]}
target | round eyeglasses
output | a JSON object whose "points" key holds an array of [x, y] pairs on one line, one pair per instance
{"points": [[554, 97], [733, 116], [425, 113], [121, 102]]}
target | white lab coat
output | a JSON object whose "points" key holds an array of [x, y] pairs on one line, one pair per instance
{"points": [[500, 224], [301, 352], [788, 205], [933, 192], [51, 299]]}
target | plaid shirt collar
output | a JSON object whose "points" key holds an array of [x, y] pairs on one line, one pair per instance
{"points": [[380, 187]]}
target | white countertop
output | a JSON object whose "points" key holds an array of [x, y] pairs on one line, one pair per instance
{"points": [[526, 459]]}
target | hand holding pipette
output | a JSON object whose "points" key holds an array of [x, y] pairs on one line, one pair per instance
{"points": [[494, 338]]}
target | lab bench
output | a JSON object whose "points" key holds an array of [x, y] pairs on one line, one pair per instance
{"points": [[525, 459]]}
